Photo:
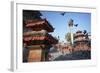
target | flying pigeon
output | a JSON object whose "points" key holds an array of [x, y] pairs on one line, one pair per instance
{"points": [[76, 25], [84, 31], [63, 13]]}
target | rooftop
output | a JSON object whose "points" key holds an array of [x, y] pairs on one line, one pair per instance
{"points": [[39, 24]]}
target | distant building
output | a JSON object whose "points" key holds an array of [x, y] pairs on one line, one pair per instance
{"points": [[65, 48], [82, 42]]}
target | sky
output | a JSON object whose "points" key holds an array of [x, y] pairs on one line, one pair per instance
{"points": [[60, 22]]}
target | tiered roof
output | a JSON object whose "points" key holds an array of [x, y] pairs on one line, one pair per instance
{"points": [[41, 37], [39, 32], [80, 37], [39, 24]]}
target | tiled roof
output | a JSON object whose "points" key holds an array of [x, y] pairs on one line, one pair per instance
{"points": [[39, 24]]}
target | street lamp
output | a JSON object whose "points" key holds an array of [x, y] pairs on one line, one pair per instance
{"points": [[70, 24]]}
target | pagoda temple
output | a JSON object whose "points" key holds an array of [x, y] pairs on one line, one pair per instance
{"points": [[36, 37], [82, 42]]}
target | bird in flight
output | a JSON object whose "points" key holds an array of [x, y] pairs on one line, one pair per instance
{"points": [[63, 13]]}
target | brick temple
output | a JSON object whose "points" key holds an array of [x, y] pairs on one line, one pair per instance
{"points": [[36, 38], [82, 42]]}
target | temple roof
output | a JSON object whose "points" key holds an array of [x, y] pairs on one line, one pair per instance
{"points": [[46, 37], [78, 31], [38, 33], [79, 35], [82, 40], [39, 24]]}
